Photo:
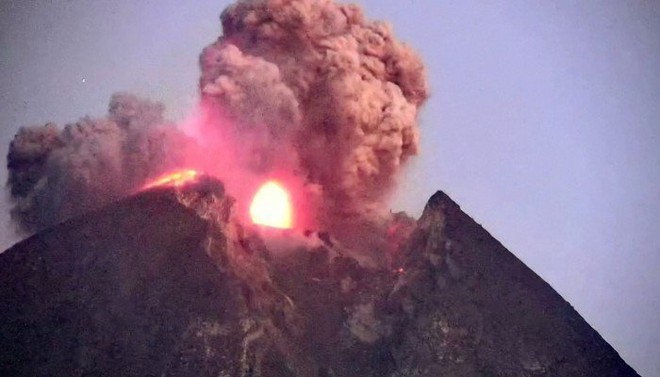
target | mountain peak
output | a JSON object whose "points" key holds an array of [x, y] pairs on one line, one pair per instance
{"points": [[440, 200], [168, 283]]}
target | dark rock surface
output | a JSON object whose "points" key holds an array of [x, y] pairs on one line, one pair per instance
{"points": [[480, 311], [166, 283]]}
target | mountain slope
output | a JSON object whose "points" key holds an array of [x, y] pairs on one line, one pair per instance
{"points": [[167, 283], [483, 312]]}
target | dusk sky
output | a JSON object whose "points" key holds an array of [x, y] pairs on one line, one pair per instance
{"points": [[543, 124]]}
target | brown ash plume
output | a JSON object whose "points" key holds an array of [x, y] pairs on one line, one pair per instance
{"points": [[308, 90], [318, 84]]}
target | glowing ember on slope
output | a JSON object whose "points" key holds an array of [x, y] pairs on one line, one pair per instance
{"points": [[174, 179], [271, 206]]}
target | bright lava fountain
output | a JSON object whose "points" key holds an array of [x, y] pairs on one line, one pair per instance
{"points": [[271, 206]]}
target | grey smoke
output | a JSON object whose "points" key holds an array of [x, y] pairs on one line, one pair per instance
{"points": [[55, 173]]}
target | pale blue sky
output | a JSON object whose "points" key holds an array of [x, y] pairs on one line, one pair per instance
{"points": [[544, 122]]}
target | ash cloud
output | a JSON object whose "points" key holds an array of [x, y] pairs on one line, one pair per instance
{"points": [[306, 89], [55, 173], [316, 82]]}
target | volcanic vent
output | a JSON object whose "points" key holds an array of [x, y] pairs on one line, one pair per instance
{"points": [[168, 283]]}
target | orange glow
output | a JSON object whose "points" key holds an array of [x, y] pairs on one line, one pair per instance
{"points": [[174, 179], [271, 206]]}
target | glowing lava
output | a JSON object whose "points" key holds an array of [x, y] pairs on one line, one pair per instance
{"points": [[175, 179], [271, 206]]}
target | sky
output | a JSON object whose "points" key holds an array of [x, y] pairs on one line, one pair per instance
{"points": [[543, 124]]}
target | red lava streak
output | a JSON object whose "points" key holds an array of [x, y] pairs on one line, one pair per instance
{"points": [[173, 179]]}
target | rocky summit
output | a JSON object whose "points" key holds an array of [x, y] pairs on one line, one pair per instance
{"points": [[168, 283]]}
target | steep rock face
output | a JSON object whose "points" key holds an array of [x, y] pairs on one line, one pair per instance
{"points": [[476, 310], [166, 283], [116, 292]]}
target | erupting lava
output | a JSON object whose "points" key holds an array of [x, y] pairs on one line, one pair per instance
{"points": [[271, 206], [175, 179]]}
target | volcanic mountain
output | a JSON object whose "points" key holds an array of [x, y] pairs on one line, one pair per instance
{"points": [[168, 283]]}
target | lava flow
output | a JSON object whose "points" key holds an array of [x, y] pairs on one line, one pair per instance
{"points": [[271, 206], [173, 179]]}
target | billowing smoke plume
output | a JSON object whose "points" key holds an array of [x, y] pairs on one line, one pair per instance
{"points": [[306, 89], [317, 85], [57, 173]]}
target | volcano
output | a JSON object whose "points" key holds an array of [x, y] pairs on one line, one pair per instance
{"points": [[168, 283]]}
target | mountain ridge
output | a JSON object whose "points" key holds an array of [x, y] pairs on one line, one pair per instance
{"points": [[167, 283]]}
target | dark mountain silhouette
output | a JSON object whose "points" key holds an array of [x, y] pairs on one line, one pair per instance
{"points": [[167, 283]]}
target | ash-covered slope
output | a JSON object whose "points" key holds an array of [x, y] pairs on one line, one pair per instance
{"points": [[166, 283]]}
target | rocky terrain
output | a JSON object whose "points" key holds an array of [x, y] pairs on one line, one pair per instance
{"points": [[168, 283]]}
